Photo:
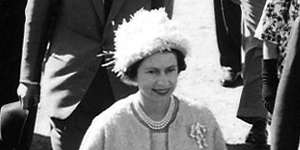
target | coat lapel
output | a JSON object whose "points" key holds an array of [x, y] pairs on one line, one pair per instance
{"points": [[99, 8]]}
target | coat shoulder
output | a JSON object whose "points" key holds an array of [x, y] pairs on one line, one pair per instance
{"points": [[195, 110], [192, 105], [116, 112]]}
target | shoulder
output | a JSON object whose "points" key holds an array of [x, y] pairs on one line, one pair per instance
{"points": [[109, 126], [115, 113], [192, 105], [194, 110]]}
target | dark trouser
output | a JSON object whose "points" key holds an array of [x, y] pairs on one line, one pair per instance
{"points": [[285, 127], [228, 24], [67, 134], [251, 107]]}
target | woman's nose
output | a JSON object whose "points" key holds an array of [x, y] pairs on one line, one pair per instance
{"points": [[163, 79]]}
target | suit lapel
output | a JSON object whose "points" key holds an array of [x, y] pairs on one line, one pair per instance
{"points": [[99, 8], [116, 5]]}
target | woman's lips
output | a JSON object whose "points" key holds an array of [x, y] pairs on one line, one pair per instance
{"points": [[161, 91]]}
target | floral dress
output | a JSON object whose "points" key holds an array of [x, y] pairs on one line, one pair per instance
{"points": [[276, 23]]}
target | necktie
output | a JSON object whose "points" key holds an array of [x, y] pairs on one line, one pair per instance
{"points": [[155, 4]]}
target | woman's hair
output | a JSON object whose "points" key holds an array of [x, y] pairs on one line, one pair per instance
{"points": [[131, 72]]}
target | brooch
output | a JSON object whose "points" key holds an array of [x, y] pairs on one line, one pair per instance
{"points": [[198, 133]]}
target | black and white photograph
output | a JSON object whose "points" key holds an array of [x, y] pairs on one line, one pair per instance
{"points": [[149, 75]]}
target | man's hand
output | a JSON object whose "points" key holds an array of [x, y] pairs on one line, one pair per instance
{"points": [[29, 95]]}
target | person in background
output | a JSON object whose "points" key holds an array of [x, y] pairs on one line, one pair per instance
{"points": [[274, 29], [251, 108], [228, 32], [61, 62], [150, 53], [285, 127]]}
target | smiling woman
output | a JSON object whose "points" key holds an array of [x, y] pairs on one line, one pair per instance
{"points": [[131, 72], [150, 52], [157, 75]]}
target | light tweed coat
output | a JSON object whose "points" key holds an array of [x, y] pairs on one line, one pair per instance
{"points": [[118, 128]]}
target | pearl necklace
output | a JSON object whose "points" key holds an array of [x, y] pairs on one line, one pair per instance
{"points": [[156, 125]]}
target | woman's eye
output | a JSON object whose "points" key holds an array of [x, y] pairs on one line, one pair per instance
{"points": [[151, 71], [171, 69]]}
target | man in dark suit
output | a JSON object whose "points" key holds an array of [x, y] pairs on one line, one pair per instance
{"points": [[228, 31], [285, 128], [61, 62], [11, 32]]}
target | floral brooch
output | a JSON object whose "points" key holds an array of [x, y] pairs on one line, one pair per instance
{"points": [[198, 133]]}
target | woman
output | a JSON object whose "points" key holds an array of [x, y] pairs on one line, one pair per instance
{"points": [[150, 52], [274, 29]]}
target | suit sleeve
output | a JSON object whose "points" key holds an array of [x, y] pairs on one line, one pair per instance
{"points": [[35, 39]]}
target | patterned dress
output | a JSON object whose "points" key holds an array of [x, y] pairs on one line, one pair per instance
{"points": [[276, 23]]}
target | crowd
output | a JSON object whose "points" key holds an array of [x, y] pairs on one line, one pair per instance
{"points": [[106, 71], [269, 40]]}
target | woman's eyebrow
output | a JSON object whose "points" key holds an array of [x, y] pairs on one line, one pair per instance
{"points": [[151, 67], [173, 65]]}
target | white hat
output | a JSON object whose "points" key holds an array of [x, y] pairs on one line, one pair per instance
{"points": [[147, 32]]}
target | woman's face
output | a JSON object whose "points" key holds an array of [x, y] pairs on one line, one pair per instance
{"points": [[157, 76]]}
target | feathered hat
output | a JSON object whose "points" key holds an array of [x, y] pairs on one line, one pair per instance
{"points": [[146, 33]]}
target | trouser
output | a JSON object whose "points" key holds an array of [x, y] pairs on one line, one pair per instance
{"points": [[285, 128], [228, 24], [251, 107], [251, 13], [67, 134]]}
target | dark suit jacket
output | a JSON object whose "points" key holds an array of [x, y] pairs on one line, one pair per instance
{"points": [[285, 127], [70, 59]]}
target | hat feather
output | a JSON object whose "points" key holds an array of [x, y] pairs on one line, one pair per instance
{"points": [[144, 34]]}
